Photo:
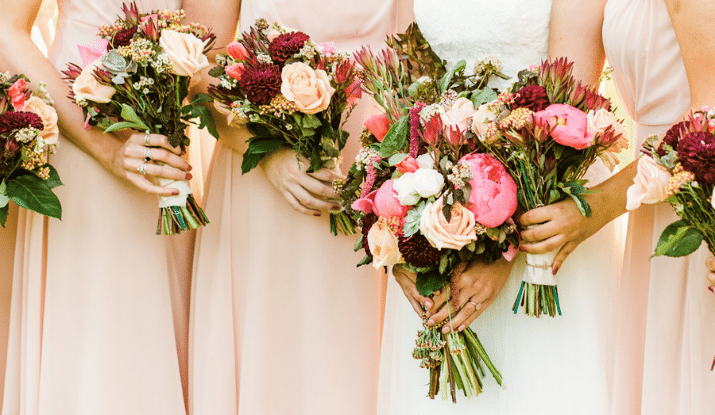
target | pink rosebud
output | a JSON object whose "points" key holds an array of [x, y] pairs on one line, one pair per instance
{"points": [[378, 125], [570, 125], [92, 52], [354, 92], [493, 195], [408, 165], [326, 48], [237, 51], [17, 94], [235, 71], [386, 203]]}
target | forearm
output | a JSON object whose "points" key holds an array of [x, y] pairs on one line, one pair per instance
{"points": [[609, 201]]}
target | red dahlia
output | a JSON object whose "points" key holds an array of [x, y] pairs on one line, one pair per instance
{"points": [[696, 152], [672, 137], [15, 120], [367, 222], [261, 83], [123, 37], [533, 97], [286, 45], [417, 251]]}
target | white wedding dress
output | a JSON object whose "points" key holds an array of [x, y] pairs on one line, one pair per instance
{"points": [[550, 366]]}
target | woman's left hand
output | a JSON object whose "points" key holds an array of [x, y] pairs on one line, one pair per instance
{"points": [[710, 263], [473, 292]]}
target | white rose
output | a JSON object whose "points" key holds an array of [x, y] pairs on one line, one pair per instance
{"points": [[599, 120], [428, 182], [404, 186], [426, 161], [185, 52]]}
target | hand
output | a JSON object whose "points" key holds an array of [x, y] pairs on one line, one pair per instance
{"points": [[307, 193], [560, 225], [472, 293], [407, 280], [710, 263], [133, 154]]}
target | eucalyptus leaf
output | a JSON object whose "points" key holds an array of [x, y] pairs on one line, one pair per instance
{"points": [[483, 96], [396, 159], [678, 239], [365, 260], [412, 220]]}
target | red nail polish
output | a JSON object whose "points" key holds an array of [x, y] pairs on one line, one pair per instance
{"points": [[188, 176], [522, 248], [554, 270], [190, 167]]}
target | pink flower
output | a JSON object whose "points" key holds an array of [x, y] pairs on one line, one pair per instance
{"points": [[432, 130], [309, 89], [237, 51], [92, 52], [648, 185], [570, 125], [17, 94], [235, 71], [378, 125], [354, 92], [408, 165], [326, 48], [493, 195], [382, 202], [455, 234]]}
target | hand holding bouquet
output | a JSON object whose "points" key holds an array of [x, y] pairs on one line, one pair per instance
{"points": [[28, 132], [137, 75], [288, 91], [547, 130]]}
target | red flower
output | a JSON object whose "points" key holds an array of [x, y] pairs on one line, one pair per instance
{"points": [[261, 83], [286, 45], [696, 152], [672, 137], [17, 94], [15, 120], [533, 97], [235, 71], [123, 37], [237, 51], [417, 251], [378, 126]]}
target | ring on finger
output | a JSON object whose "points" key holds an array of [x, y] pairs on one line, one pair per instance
{"points": [[147, 154], [146, 138], [477, 306], [142, 169]]}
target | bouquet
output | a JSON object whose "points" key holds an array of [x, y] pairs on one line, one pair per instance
{"points": [[425, 199], [137, 75], [547, 130], [28, 132], [288, 91]]}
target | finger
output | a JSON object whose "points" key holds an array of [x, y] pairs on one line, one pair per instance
{"points": [[308, 200], [415, 299], [157, 154], [469, 320], [154, 140], [133, 165], [441, 314], [564, 252], [710, 263], [438, 301], [536, 216], [326, 175], [540, 232], [142, 183], [319, 189], [543, 247], [407, 281], [294, 203], [465, 312]]}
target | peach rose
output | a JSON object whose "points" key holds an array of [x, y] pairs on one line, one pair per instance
{"points": [[458, 116], [87, 88], [383, 245], [648, 185], [455, 234], [49, 132], [185, 52], [599, 120], [481, 119], [310, 90]]}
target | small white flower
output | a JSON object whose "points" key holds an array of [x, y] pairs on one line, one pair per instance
{"points": [[426, 161], [263, 58], [27, 134], [712, 199]]}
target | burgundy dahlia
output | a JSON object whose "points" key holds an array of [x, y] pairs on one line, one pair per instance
{"points": [[261, 83], [123, 37], [533, 97], [367, 222], [417, 251], [286, 45], [696, 152], [15, 120], [672, 137]]}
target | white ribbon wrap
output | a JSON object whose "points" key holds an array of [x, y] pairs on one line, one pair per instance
{"points": [[539, 268], [178, 200]]}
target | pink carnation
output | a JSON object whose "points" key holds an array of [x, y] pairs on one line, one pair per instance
{"points": [[570, 125], [493, 195], [17, 94], [378, 125]]}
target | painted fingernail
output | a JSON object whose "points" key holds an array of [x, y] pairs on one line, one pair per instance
{"points": [[462, 327], [430, 322], [446, 330], [190, 167], [316, 213], [554, 271], [522, 248], [188, 176], [175, 192], [336, 207]]}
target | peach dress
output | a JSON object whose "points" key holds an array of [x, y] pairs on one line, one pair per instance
{"points": [[7, 254], [666, 333], [282, 322], [98, 301]]}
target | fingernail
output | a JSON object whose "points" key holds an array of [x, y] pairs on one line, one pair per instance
{"points": [[554, 271], [190, 167], [446, 330], [430, 322], [428, 304], [522, 248], [316, 213], [175, 192], [712, 289], [462, 327], [188, 176], [336, 207]]}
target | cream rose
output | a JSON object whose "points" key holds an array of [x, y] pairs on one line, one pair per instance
{"points": [[185, 52], [426, 161], [459, 115], [49, 132], [455, 234], [310, 90], [87, 88], [423, 183], [599, 120], [648, 185], [383, 245], [481, 119]]}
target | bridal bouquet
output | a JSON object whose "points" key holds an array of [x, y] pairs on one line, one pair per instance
{"points": [[288, 91], [137, 75], [547, 130], [426, 200], [28, 132]]}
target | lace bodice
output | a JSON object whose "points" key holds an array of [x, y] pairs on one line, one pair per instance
{"points": [[515, 31]]}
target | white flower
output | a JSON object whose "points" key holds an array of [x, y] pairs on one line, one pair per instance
{"points": [[423, 183], [712, 199], [426, 161], [404, 186]]}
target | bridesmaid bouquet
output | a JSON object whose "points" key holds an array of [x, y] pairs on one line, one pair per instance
{"points": [[137, 75], [288, 91], [547, 130], [426, 200], [28, 132]]}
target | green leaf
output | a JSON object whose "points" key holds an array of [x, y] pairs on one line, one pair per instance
{"points": [[206, 119], [555, 196], [430, 281], [582, 205], [54, 179], [31, 192], [483, 96], [122, 125], [396, 159], [3, 215], [4, 200], [412, 220], [396, 137], [358, 242], [365, 260], [257, 149], [311, 121], [447, 78], [201, 99], [678, 239], [217, 71], [128, 114]]}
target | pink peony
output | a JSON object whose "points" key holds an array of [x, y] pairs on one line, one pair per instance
{"points": [[235, 71], [90, 53], [570, 125], [493, 195], [382, 202], [378, 125], [237, 51], [17, 94]]}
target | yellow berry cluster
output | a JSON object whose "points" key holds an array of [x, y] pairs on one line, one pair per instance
{"points": [[679, 178], [279, 107], [518, 118]]}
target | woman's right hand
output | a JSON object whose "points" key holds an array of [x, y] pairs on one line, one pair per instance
{"points": [[710, 263], [307, 193], [408, 282], [140, 149]]}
